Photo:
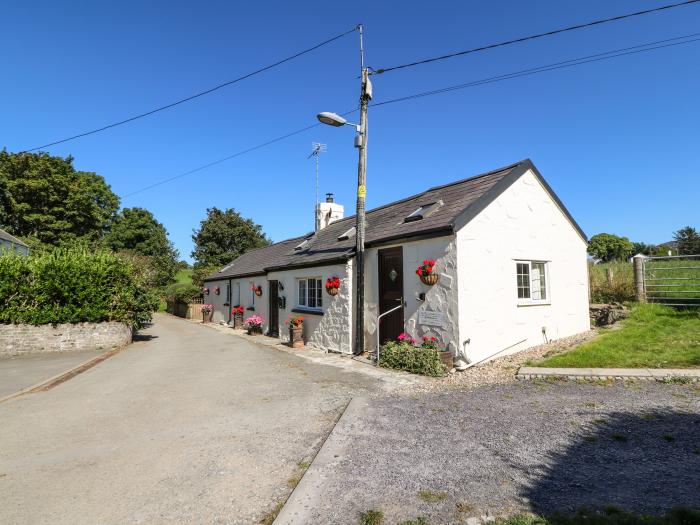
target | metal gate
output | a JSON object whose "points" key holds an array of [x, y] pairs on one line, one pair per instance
{"points": [[672, 280]]}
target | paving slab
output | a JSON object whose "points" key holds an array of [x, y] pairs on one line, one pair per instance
{"points": [[536, 372], [23, 371]]}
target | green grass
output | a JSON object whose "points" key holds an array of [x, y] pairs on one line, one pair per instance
{"points": [[608, 516], [372, 517], [654, 336]]}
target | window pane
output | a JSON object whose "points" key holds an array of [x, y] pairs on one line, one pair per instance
{"points": [[523, 280], [539, 287], [302, 292], [312, 293], [319, 293]]}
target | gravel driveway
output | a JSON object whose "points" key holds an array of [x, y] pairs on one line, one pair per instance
{"points": [[187, 425], [503, 448]]}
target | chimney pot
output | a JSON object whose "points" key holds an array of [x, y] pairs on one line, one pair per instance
{"points": [[329, 197]]}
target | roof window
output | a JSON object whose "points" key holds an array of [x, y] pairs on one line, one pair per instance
{"points": [[424, 211], [301, 245], [347, 234]]}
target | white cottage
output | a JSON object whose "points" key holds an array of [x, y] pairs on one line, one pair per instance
{"points": [[510, 258]]}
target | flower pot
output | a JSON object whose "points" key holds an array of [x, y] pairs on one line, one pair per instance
{"points": [[430, 279], [447, 359], [254, 331], [258, 293], [332, 291], [296, 336], [238, 321], [206, 316]]}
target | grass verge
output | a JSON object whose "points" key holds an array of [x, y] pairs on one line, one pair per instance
{"points": [[654, 336]]}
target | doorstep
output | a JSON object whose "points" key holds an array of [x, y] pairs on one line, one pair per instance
{"points": [[657, 374]]}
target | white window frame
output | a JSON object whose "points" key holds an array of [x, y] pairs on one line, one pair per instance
{"points": [[303, 302], [533, 283]]}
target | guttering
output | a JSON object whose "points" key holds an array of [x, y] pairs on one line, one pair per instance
{"points": [[310, 264], [441, 231], [225, 277]]}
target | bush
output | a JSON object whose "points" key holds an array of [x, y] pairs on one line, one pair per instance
{"points": [[72, 286], [619, 288], [182, 292], [402, 355]]}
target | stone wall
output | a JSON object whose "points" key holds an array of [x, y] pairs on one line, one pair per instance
{"points": [[28, 339]]}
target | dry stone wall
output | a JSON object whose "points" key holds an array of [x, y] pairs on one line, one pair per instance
{"points": [[16, 339]]}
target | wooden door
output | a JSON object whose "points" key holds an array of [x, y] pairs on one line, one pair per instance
{"points": [[390, 293], [273, 310]]}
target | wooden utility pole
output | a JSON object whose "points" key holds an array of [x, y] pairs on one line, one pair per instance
{"points": [[361, 143]]}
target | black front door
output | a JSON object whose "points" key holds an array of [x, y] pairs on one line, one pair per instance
{"points": [[273, 310], [390, 293]]}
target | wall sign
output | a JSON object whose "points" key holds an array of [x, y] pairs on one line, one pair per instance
{"points": [[431, 318]]}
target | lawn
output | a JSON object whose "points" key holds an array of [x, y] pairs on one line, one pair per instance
{"points": [[654, 336]]}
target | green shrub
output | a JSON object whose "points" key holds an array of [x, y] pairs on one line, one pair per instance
{"points": [[611, 282], [182, 292], [417, 360], [72, 286]]}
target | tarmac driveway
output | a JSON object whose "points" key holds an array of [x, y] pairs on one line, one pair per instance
{"points": [[187, 425]]}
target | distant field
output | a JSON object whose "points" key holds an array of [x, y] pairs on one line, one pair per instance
{"points": [[184, 276]]}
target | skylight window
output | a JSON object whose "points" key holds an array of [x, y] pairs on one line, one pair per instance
{"points": [[424, 211], [347, 234], [301, 245]]}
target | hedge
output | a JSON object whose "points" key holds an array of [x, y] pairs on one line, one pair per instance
{"points": [[72, 286]]}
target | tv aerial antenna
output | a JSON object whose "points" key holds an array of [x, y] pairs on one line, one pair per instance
{"points": [[316, 149]]}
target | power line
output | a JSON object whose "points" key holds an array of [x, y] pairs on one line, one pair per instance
{"points": [[650, 46], [550, 67], [540, 35], [197, 95]]}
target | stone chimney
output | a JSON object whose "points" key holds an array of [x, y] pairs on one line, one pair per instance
{"points": [[328, 212]]}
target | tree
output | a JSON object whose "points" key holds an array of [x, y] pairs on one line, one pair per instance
{"points": [[608, 247], [43, 198], [688, 241], [223, 236], [136, 230]]}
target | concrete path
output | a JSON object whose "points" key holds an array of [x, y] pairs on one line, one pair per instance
{"points": [[24, 371], [658, 374], [190, 426]]}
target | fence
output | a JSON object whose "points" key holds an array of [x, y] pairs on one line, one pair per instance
{"points": [[672, 280], [191, 310]]}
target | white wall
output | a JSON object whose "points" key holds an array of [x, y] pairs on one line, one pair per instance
{"points": [[438, 298], [7, 246], [522, 223], [248, 299], [331, 331]]}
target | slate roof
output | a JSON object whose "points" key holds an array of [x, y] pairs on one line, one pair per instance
{"points": [[11, 238], [462, 200]]}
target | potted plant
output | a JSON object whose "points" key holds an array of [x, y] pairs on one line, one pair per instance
{"points": [[257, 289], [237, 312], [296, 331], [445, 355], [254, 324], [207, 310], [332, 285], [426, 272]]}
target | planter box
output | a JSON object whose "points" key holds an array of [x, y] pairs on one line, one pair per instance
{"points": [[238, 321], [296, 337], [206, 317], [447, 359]]}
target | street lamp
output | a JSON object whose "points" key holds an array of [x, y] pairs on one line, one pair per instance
{"points": [[335, 120]]}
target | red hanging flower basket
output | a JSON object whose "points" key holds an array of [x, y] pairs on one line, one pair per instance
{"points": [[332, 285], [426, 272]]}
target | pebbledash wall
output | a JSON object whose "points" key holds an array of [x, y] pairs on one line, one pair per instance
{"points": [[18, 339]]}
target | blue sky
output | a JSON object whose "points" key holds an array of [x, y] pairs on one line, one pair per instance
{"points": [[617, 140]]}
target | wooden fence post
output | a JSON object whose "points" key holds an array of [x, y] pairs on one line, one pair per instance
{"points": [[638, 265]]}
